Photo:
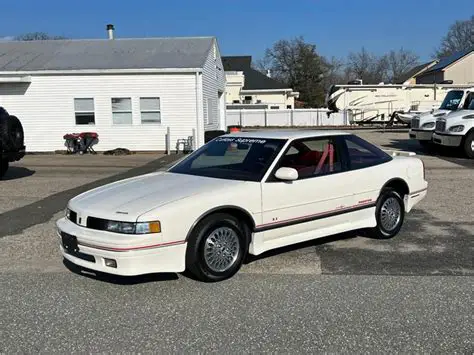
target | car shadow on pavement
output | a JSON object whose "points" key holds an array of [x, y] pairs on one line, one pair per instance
{"points": [[17, 172], [431, 150], [116, 279], [298, 246]]}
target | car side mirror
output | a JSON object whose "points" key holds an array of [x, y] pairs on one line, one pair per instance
{"points": [[288, 174]]}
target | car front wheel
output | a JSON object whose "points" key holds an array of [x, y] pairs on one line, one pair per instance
{"points": [[389, 213], [216, 248]]}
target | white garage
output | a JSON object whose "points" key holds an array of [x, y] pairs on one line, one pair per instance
{"points": [[129, 91]]}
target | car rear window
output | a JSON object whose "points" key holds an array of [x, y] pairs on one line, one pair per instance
{"points": [[363, 154]]}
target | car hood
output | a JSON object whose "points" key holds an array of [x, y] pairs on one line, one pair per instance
{"points": [[128, 199]]}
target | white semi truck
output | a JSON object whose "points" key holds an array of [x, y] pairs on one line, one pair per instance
{"points": [[423, 125], [456, 129]]}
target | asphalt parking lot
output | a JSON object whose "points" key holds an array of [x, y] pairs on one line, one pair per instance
{"points": [[345, 293]]}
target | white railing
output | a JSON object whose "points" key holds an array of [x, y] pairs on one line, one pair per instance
{"points": [[285, 118]]}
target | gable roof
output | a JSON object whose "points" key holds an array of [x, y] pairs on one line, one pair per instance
{"points": [[254, 80], [447, 61], [145, 53], [413, 72]]}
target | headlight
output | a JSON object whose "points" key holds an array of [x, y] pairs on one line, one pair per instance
{"points": [[133, 228], [428, 125], [67, 213], [458, 128], [468, 117]]}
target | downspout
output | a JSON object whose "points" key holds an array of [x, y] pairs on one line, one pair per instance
{"points": [[198, 129]]}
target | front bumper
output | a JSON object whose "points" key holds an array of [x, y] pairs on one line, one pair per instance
{"points": [[130, 261], [449, 140], [421, 135]]}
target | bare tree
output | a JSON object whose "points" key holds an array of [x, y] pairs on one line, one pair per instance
{"points": [[366, 66], [37, 36], [460, 37], [262, 65], [399, 62], [298, 65]]}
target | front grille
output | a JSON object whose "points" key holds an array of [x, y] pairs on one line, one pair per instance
{"points": [[440, 126], [415, 123]]}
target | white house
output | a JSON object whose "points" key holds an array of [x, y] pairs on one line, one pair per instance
{"points": [[129, 91], [247, 88]]}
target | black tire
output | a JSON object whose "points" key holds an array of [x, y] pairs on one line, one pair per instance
{"points": [[3, 167], [11, 133], [380, 231], [468, 145], [196, 262]]}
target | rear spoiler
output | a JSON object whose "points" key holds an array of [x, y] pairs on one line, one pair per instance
{"points": [[399, 153]]}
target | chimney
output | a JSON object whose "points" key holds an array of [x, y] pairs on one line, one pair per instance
{"points": [[110, 30], [269, 73]]}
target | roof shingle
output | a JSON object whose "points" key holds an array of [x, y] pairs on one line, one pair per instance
{"points": [[146, 53]]}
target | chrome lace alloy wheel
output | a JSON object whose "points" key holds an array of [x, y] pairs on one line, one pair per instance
{"points": [[221, 249], [390, 214]]}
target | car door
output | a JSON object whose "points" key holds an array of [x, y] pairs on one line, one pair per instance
{"points": [[321, 190]]}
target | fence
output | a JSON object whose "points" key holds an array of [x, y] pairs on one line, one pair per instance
{"points": [[285, 118]]}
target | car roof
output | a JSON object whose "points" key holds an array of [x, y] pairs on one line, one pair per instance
{"points": [[286, 133]]}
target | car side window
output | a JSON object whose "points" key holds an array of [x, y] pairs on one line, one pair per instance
{"points": [[363, 154], [313, 157]]}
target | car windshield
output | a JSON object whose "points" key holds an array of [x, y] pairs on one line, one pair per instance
{"points": [[452, 100], [235, 158]]}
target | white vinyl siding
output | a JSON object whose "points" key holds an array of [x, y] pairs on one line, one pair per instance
{"points": [[84, 111], [208, 112], [122, 110], [150, 110], [213, 80], [46, 109]]}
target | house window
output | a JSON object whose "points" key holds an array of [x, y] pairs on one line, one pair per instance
{"points": [[84, 111], [288, 107], [122, 110], [150, 109], [274, 107]]}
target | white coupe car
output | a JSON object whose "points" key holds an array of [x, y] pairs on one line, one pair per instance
{"points": [[241, 193]]}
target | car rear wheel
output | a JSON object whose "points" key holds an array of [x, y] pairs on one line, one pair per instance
{"points": [[389, 213], [469, 145], [216, 248]]}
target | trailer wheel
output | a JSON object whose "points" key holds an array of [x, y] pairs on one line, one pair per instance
{"points": [[469, 145]]}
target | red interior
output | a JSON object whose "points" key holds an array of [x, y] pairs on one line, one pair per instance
{"points": [[312, 161]]}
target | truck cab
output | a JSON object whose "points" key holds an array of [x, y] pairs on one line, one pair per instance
{"points": [[423, 125], [456, 129]]}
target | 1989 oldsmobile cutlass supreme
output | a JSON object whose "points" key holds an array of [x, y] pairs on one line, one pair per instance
{"points": [[241, 193]]}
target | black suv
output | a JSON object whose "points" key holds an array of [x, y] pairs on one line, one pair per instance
{"points": [[12, 146]]}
